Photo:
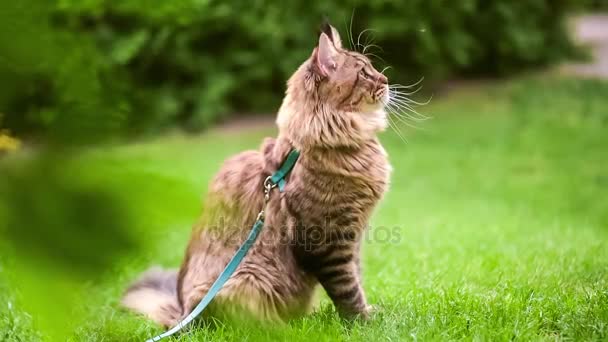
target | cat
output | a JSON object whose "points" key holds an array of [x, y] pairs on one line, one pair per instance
{"points": [[332, 112]]}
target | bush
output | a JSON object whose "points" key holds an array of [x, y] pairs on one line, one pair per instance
{"points": [[601, 5], [101, 66]]}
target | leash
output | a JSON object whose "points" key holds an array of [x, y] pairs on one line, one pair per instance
{"points": [[275, 180]]}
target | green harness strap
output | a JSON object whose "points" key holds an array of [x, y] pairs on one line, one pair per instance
{"points": [[278, 177]]}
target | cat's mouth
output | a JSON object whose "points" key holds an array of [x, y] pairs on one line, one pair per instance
{"points": [[376, 105], [380, 96]]}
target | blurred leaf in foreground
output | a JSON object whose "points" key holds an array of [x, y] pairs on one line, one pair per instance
{"points": [[60, 233]]}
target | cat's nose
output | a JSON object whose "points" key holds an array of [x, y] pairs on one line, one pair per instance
{"points": [[382, 79]]}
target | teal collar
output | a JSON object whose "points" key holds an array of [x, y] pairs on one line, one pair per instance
{"points": [[278, 178]]}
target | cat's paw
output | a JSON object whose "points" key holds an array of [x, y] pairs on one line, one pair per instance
{"points": [[372, 310], [366, 314]]}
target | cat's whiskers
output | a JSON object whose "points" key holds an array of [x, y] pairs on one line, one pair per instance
{"points": [[394, 126], [403, 116], [405, 112], [408, 100], [402, 106], [367, 46], [406, 108], [350, 31], [396, 129], [405, 122], [369, 43], [405, 93], [360, 34], [385, 68], [369, 54]]}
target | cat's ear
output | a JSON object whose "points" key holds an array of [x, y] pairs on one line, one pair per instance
{"points": [[336, 37], [332, 33], [326, 55]]}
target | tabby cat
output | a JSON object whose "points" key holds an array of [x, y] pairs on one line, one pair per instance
{"points": [[332, 112]]}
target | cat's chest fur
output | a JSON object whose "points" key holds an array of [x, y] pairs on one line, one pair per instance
{"points": [[338, 188]]}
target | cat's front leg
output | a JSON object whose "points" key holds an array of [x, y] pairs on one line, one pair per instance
{"points": [[340, 279], [335, 264], [331, 254]]}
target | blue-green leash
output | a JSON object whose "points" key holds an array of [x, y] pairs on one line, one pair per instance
{"points": [[276, 180]]}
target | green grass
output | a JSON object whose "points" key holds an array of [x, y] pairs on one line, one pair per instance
{"points": [[495, 226]]}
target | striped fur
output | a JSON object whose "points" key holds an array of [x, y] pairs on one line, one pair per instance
{"points": [[331, 113]]}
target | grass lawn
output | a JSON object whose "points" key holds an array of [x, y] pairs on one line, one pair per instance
{"points": [[495, 226]]}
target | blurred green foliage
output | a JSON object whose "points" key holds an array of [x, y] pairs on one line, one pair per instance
{"points": [[596, 5], [83, 70], [60, 219], [57, 229]]}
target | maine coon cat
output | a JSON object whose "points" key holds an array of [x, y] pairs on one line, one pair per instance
{"points": [[331, 113]]}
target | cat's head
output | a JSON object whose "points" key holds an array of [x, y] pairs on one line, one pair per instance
{"points": [[336, 98], [348, 80]]}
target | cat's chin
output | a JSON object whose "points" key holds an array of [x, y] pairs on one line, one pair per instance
{"points": [[376, 118]]}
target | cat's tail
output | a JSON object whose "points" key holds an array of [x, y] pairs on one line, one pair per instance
{"points": [[154, 295]]}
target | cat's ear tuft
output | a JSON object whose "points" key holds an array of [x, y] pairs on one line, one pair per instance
{"points": [[326, 55], [336, 37], [332, 33]]}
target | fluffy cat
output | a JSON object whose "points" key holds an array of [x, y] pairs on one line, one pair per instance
{"points": [[332, 111]]}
